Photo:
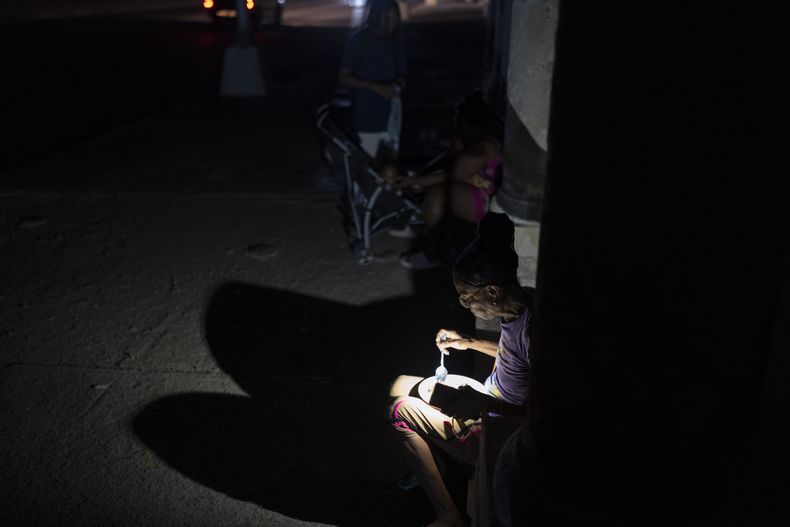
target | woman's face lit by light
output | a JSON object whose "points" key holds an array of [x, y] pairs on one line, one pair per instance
{"points": [[476, 299]]}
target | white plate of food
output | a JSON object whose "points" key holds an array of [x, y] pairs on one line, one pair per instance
{"points": [[425, 388]]}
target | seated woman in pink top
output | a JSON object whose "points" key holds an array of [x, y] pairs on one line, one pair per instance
{"points": [[465, 187]]}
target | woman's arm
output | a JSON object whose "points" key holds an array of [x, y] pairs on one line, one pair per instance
{"points": [[500, 407], [466, 167], [349, 80], [483, 346], [422, 181], [446, 338], [472, 161]]}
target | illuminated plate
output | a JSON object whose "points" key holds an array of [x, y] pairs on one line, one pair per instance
{"points": [[425, 388], [226, 13]]}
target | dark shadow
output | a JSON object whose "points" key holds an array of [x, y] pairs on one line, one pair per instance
{"points": [[309, 441]]}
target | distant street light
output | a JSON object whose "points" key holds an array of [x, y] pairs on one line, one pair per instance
{"points": [[241, 71]]}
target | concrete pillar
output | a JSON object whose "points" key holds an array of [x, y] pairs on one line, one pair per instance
{"points": [[522, 42], [529, 73], [533, 25]]}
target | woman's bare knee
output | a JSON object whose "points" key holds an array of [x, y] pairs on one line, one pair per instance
{"points": [[403, 385], [433, 206], [462, 202], [392, 408]]}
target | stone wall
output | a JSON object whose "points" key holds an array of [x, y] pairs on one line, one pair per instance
{"points": [[658, 393]]}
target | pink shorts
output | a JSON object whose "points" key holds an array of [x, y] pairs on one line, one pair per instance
{"points": [[459, 438]]}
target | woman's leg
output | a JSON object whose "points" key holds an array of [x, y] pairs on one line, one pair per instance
{"points": [[412, 422], [433, 206], [468, 202], [404, 385], [422, 464]]}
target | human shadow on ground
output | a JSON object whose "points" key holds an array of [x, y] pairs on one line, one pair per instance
{"points": [[308, 441]]}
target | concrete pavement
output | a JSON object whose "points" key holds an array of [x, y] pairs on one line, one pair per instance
{"points": [[186, 338], [157, 372]]}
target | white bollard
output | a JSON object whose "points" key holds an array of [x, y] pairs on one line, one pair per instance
{"points": [[241, 71]]}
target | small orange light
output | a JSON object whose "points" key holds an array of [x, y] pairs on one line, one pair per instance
{"points": [[208, 4], [250, 4]]}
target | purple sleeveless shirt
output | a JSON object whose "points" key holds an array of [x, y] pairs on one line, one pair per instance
{"points": [[509, 379]]}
